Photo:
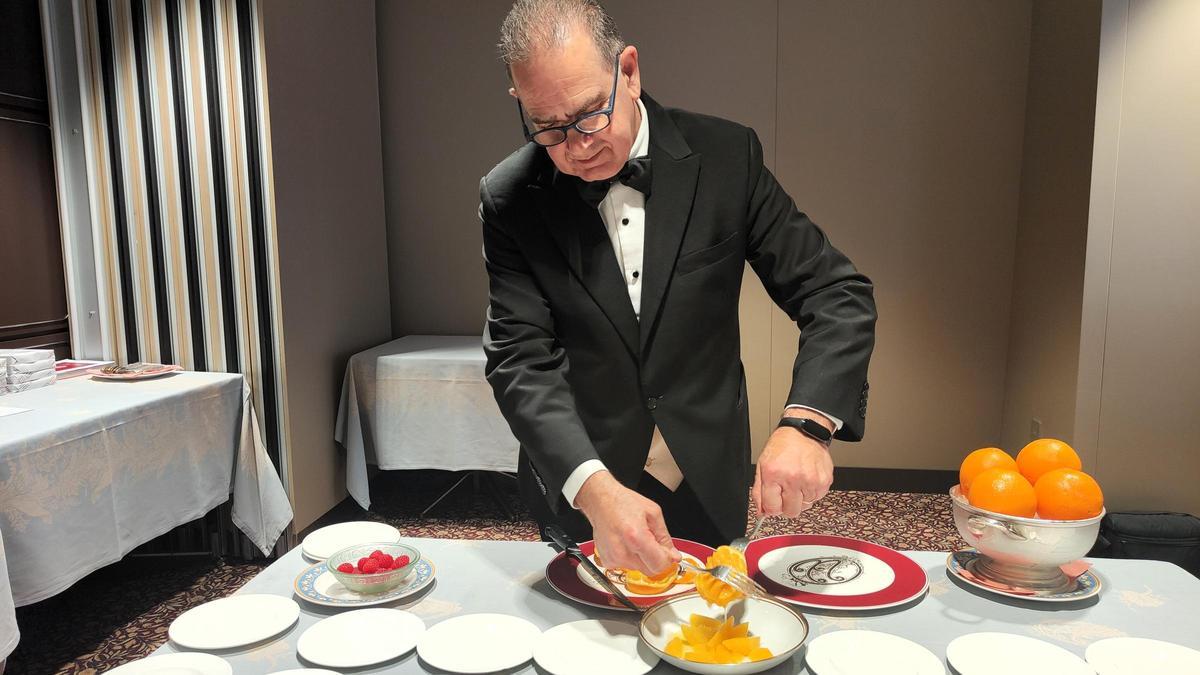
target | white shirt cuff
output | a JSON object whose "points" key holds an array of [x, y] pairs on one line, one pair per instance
{"points": [[837, 424], [578, 477]]}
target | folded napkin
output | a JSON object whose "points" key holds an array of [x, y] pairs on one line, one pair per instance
{"points": [[20, 377], [43, 381], [26, 355], [32, 367]]}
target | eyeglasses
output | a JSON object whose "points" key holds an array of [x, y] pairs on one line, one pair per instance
{"points": [[589, 123]]}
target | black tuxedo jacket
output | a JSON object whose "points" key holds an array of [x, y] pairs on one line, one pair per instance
{"points": [[577, 375]]}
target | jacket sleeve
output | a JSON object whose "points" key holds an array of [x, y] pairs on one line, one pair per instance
{"points": [[820, 289], [526, 365]]}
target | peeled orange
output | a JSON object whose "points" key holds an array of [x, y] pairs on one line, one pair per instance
{"points": [[979, 461], [1004, 491], [1046, 454], [641, 584], [1067, 494]]}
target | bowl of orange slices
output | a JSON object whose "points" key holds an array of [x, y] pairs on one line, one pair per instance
{"points": [[1029, 515], [749, 636]]}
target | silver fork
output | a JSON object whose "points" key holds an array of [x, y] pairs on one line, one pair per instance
{"points": [[742, 542], [733, 577]]}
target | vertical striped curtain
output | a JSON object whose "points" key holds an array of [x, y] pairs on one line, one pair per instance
{"points": [[178, 152]]}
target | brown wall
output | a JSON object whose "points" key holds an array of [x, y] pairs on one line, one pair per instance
{"points": [[323, 89], [1043, 354], [898, 126], [1139, 376]]}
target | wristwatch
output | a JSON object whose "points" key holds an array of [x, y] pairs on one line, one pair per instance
{"points": [[810, 428]]}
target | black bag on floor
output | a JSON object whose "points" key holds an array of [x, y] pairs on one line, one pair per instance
{"points": [[1172, 537]]}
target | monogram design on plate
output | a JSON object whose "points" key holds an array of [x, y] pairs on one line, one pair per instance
{"points": [[824, 571]]}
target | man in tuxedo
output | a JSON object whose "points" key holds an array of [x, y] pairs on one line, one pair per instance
{"points": [[614, 243]]}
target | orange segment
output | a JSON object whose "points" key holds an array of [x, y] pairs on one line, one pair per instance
{"points": [[979, 461], [675, 647], [741, 645], [1046, 454], [1067, 494], [760, 654], [1003, 491], [717, 592]]}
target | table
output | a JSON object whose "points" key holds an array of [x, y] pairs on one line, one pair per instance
{"points": [[421, 402], [1141, 599], [97, 468], [9, 633]]}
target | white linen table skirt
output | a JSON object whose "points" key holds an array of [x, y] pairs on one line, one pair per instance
{"points": [[421, 402]]}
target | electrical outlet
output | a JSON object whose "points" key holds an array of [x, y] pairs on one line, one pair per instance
{"points": [[1035, 429]]}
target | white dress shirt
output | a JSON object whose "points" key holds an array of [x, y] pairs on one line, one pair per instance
{"points": [[623, 211]]}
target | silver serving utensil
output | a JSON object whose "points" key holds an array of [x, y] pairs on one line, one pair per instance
{"points": [[742, 542], [733, 577]]}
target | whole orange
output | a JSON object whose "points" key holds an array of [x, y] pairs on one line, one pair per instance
{"points": [[1067, 494], [1003, 491], [1046, 454], [979, 461]]}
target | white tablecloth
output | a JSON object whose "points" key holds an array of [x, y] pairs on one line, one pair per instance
{"points": [[1140, 598], [97, 468], [9, 633], [421, 402]]}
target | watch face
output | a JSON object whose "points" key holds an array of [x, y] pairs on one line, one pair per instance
{"points": [[808, 427]]}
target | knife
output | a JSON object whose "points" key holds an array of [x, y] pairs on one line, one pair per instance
{"points": [[568, 545]]}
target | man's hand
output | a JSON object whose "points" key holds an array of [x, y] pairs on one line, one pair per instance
{"points": [[628, 528], [793, 471]]}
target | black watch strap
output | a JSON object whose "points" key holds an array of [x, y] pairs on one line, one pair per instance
{"points": [[809, 427]]}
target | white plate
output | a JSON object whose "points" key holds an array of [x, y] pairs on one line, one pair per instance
{"points": [[1134, 656], [1006, 653], [236, 621], [330, 539], [318, 586], [187, 663], [478, 643], [363, 637], [867, 652], [304, 671], [594, 648]]}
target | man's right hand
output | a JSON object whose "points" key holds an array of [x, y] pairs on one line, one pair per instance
{"points": [[627, 528]]}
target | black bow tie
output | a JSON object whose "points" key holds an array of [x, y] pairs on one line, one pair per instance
{"points": [[635, 174]]}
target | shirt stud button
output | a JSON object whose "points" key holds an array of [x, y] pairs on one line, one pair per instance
{"points": [[624, 221]]}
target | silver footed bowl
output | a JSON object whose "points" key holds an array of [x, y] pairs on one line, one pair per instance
{"points": [[1025, 552]]}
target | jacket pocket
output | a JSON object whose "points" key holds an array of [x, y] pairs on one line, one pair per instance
{"points": [[696, 260]]}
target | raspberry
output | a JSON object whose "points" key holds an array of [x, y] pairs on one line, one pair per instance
{"points": [[361, 562], [400, 561], [376, 554], [346, 568], [385, 560], [371, 566]]}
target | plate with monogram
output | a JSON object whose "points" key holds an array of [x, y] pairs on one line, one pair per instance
{"points": [[839, 573], [316, 585]]}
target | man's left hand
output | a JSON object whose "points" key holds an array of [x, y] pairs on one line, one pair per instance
{"points": [[794, 471]]}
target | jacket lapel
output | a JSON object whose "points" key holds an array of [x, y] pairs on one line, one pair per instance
{"points": [[668, 210], [579, 232]]}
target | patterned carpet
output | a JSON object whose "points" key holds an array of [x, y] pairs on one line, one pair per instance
{"points": [[122, 612]]}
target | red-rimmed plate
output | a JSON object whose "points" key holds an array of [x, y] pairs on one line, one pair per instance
{"points": [[564, 576], [828, 572]]}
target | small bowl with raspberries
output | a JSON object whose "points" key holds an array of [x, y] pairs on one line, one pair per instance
{"points": [[374, 568]]}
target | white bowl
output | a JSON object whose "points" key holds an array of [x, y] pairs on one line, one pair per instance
{"points": [[780, 628]]}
